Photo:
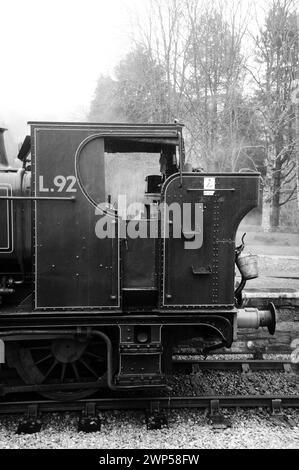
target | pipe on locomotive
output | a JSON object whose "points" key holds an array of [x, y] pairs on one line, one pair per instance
{"points": [[255, 318]]}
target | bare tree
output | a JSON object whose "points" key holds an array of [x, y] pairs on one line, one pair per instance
{"points": [[277, 53], [198, 46], [142, 91], [165, 38], [216, 82]]}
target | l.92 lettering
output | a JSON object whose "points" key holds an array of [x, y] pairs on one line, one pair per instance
{"points": [[61, 183]]}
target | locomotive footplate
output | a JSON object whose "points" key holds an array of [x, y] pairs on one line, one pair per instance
{"points": [[140, 356]]}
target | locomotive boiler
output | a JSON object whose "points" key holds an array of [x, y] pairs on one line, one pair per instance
{"points": [[112, 252]]}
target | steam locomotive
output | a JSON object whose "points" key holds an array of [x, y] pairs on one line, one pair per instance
{"points": [[113, 251]]}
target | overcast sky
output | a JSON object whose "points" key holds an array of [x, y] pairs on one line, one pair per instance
{"points": [[52, 52]]}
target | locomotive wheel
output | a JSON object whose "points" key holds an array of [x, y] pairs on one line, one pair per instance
{"points": [[59, 361]]}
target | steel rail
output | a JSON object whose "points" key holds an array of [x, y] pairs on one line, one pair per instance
{"points": [[243, 365], [145, 403]]}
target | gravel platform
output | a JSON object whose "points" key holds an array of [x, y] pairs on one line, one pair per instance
{"points": [[187, 429]]}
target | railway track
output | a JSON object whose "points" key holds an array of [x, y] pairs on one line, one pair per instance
{"points": [[243, 365], [213, 403], [156, 407]]}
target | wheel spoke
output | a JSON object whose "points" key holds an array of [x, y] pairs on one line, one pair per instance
{"points": [[88, 367], [62, 372], [76, 371], [44, 359], [50, 370], [98, 357]]}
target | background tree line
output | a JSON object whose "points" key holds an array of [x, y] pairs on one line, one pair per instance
{"points": [[228, 77]]}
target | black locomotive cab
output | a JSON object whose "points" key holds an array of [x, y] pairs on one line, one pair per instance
{"points": [[116, 252]]}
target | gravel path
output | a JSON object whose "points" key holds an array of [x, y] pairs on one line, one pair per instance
{"points": [[251, 429]]}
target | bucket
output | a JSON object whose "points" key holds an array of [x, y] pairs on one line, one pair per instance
{"points": [[248, 265]]}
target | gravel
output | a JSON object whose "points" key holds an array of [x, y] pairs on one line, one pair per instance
{"points": [[188, 429], [207, 382]]}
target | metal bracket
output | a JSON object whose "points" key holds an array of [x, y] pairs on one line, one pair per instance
{"points": [[246, 368], [217, 419], [89, 421], [90, 410], [156, 418], [276, 407], [277, 413], [286, 367], [201, 270], [30, 424], [214, 407], [32, 412], [154, 407]]}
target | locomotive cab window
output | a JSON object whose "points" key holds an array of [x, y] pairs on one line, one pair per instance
{"points": [[120, 170], [107, 167]]}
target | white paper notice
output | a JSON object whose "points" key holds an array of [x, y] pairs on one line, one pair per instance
{"points": [[209, 183]]}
